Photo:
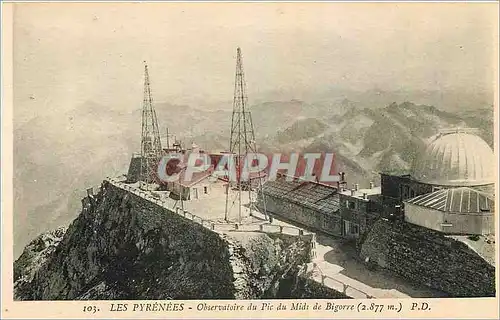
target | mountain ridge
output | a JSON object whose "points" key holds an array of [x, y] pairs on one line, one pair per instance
{"points": [[77, 149]]}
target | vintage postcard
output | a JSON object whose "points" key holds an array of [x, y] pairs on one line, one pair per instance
{"points": [[249, 160]]}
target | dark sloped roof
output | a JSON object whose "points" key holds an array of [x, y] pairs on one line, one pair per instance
{"points": [[308, 194], [460, 200]]}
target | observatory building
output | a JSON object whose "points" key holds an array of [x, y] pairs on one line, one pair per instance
{"points": [[456, 158], [451, 185]]}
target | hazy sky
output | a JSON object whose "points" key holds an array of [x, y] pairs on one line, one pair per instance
{"points": [[66, 54]]}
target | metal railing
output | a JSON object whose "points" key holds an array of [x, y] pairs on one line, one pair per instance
{"points": [[340, 286], [213, 226]]}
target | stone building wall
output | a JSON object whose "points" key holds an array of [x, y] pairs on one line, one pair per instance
{"points": [[391, 187], [328, 223], [360, 215], [134, 169]]}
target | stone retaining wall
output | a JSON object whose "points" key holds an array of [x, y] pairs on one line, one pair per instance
{"points": [[429, 258]]}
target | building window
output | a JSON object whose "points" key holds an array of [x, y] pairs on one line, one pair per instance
{"points": [[405, 192], [350, 204], [346, 229], [205, 190], [412, 193], [354, 229]]}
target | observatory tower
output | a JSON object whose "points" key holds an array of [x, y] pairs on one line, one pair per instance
{"points": [[151, 150], [241, 144]]}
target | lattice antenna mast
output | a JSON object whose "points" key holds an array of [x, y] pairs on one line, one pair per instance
{"points": [[242, 140], [151, 150]]}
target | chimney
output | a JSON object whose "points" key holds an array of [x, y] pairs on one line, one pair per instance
{"points": [[356, 187], [353, 192], [371, 185], [365, 195]]}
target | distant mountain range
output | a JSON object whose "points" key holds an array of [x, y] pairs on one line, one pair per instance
{"points": [[387, 139], [57, 156]]}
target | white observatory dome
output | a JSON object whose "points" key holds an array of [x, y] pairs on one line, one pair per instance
{"points": [[456, 159]]}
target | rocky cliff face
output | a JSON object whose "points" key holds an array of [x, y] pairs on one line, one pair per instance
{"points": [[34, 256], [124, 247]]}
